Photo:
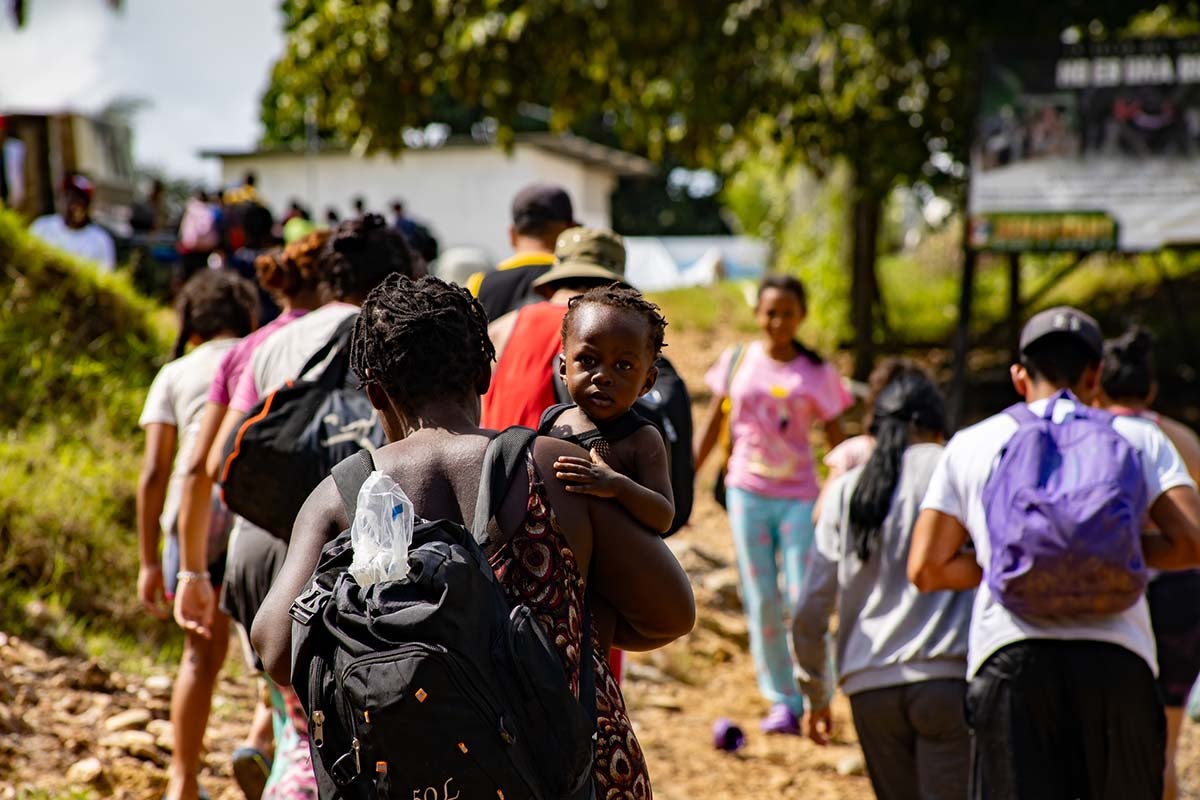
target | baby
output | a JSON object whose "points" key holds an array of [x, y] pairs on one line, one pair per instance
{"points": [[612, 338]]}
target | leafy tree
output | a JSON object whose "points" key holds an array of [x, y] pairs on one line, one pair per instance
{"points": [[880, 85]]}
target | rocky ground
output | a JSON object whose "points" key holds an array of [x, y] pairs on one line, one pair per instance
{"points": [[69, 728]]}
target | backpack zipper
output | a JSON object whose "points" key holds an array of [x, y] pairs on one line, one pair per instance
{"points": [[318, 718], [456, 671]]}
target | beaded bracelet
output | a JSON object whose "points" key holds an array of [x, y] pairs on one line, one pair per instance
{"points": [[185, 576]]}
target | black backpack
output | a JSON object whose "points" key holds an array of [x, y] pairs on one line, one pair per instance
{"points": [[432, 686], [669, 407], [288, 443]]}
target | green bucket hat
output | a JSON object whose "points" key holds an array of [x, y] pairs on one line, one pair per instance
{"points": [[587, 254]]}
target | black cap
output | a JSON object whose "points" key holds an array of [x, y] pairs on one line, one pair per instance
{"points": [[1064, 320], [541, 203]]}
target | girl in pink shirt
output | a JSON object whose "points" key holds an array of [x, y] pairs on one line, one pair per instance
{"points": [[772, 391]]}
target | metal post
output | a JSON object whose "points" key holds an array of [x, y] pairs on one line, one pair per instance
{"points": [[962, 338], [1014, 305]]}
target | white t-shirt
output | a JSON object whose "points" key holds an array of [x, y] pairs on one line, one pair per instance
{"points": [[281, 356], [177, 397], [956, 488], [91, 242]]}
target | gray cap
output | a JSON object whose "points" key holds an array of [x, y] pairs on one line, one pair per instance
{"points": [[541, 203], [1064, 320]]}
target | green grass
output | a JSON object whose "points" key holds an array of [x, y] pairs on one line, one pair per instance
{"points": [[708, 309], [78, 350]]}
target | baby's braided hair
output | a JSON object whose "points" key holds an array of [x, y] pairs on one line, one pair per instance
{"points": [[622, 297], [421, 340]]}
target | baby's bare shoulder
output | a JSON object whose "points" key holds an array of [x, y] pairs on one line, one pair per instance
{"points": [[643, 444], [573, 421]]}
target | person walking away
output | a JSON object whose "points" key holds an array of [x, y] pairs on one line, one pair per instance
{"points": [[612, 338], [355, 258], [1128, 388], [199, 235], [215, 310], [73, 230], [292, 277], [777, 389], [1061, 664], [257, 226], [541, 212], [422, 350], [901, 655], [529, 339]]}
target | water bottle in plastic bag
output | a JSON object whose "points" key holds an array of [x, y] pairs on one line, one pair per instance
{"points": [[381, 531]]}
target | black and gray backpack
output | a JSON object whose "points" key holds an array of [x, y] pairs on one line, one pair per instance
{"points": [[433, 686]]}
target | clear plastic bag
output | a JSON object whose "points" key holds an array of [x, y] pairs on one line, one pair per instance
{"points": [[381, 531]]}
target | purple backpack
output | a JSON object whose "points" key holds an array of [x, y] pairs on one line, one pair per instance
{"points": [[1064, 508]]}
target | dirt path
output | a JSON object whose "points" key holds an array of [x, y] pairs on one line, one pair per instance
{"points": [[71, 729]]}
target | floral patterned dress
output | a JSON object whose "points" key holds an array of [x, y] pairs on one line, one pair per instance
{"points": [[537, 568]]}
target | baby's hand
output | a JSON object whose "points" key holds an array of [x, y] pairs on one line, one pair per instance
{"points": [[585, 476]]}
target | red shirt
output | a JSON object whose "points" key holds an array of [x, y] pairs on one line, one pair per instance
{"points": [[523, 381]]}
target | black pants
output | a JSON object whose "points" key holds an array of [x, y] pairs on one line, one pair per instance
{"points": [[915, 740], [1065, 719]]}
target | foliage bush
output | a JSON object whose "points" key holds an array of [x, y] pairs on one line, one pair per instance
{"points": [[77, 350]]}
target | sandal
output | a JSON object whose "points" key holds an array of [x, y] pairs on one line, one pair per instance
{"points": [[251, 769]]}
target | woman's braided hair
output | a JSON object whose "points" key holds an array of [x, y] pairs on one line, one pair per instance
{"points": [[622, 297], [421, 340]]}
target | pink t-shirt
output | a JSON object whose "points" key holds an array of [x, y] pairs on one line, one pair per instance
{"points": [[238, 358], [774, 406]]}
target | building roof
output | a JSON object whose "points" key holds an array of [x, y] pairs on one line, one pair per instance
{"points": [[565, 145]]}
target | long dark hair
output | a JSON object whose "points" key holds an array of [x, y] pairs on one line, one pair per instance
{"points": [[909, 401], [793, 286]]}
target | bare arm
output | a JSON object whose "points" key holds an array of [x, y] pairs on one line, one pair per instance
{"points": [[196, 502], [1176, 545], [833, 432], [710, 431], [216, 451], [195, 601], [321, 518], [151, 496], [936, 559], [649, 498], [638, 575]]}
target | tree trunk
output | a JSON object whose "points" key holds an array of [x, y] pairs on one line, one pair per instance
{"points": [[864, 214]]}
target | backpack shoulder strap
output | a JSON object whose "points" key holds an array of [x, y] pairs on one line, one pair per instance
{"points": [[503, 460], [735, 361], [1021, 413], [339, 342], [349, 474]]}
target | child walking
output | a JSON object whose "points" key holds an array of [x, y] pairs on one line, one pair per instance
{"points": [[901, 655], [776, 389], [216, 308], [612, 338]]}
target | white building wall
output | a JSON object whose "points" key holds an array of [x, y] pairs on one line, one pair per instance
{"points": [[463, 193]]}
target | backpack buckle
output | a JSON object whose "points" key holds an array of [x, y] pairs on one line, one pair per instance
{"points": [[309, 604]]}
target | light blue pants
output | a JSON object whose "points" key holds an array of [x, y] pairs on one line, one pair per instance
{"points": [[772, 536]]}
